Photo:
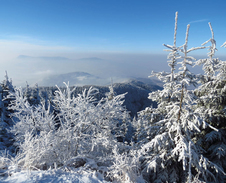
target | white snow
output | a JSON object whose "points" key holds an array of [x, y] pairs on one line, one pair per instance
{"points": [[53, 176]]}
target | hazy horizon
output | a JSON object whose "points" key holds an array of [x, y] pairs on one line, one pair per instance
{"points": [[106, 66], [127, 36], [32, 70]]}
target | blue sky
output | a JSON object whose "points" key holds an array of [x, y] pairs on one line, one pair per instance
{"points": [[107, 25], [80, 28]]}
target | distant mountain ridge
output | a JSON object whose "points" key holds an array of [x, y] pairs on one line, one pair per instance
{"points": [[74, 78], [136, 98], [91, 59], [84, 78], [44, 58], [59, 58]]}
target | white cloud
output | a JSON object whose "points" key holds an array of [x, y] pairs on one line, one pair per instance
{"points": [[45, 72], [198, 21], [24, 38], [11, 49]]}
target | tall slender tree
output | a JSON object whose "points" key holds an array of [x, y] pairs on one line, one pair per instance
{"points": [[171, 153], [163, 97]]}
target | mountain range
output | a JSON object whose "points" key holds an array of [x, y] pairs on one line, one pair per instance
{"points": [[137, 89], [84, 78]]}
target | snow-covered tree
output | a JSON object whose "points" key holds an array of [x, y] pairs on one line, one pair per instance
{"points": [[27, 92], [211, 105], [28, 118], [35, 96], [162, 97], [170, 152], [6, 139], [211, 92], [209, 64], [111, 93]]}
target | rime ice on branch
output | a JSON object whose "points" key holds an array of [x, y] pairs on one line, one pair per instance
{"points": [[170, 151]]}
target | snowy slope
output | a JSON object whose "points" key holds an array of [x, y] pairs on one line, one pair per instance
{"points": [[54, 176]]}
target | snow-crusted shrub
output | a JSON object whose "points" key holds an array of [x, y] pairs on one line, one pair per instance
{"points": [[28, 118], [8, 163], [126, 167], [87, 128], [4, 162], [93, 126]]}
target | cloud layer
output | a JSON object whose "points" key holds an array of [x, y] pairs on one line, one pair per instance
{"points": [[116, 65]]}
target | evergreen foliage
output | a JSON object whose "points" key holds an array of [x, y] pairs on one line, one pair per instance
{"points": [[170, 152], [6, 138], [211, 105]]}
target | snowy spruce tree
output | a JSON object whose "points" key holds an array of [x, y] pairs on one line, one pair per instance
{"points": [[212, 106], [170, 152], [35, 97], [211, 92], [163, 97], [6, 138]]}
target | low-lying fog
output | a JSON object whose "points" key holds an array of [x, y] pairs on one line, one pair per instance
{"points": [[119, 66]]}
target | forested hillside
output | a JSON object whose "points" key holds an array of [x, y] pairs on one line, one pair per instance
{"points": [[136, 98]]}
